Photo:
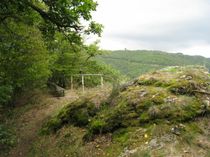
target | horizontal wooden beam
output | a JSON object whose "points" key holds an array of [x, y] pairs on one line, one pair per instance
{"points": [[87, 75]]}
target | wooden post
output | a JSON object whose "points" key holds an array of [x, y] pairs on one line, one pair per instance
{"points": [[102, 81], [83, 84], [72, 86]]}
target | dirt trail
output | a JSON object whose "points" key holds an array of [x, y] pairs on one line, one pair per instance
{"points": [[29, 123]]}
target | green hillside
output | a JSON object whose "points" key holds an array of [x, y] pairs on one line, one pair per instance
{"points": [[135, 63]]}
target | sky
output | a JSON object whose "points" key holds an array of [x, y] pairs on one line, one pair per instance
{"points": [[167, 25]]}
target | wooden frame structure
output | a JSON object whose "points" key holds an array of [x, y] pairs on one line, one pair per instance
{"points": [[83, 80]]}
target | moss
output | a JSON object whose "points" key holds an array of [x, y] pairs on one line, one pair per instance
{"points": [[187, 87], [113, 121], [144, 117], [194, 128], [81, 117], [78, 113], [160, 129], [97, 126], [167, 110], [121, 135], [142, 153], [106, 124], [172, 69], [154, 112], [147, 82], [157, 105], [157, 98], [51, 126], [176, 112], [165, 83], [153, 98], [190, 132], [130, 119], [143, 106], [190, 111], [185, 109]]}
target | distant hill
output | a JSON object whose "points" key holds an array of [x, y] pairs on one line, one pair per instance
{"points": [[134, 63]]}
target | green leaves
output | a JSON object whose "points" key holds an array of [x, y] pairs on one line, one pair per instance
{"points": [[24, 59], [5, 94], [95, 28], [55, 15], [42, 40], [7, 140]]}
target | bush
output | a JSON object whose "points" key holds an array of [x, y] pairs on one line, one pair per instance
{"points": [[7, 139], [5, 94]]}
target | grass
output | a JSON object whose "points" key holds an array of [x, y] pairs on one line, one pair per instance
{"points": [[144, 153], [130, 119]]}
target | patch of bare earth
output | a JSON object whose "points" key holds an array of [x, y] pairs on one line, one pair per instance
{"points": [[29, 123]]}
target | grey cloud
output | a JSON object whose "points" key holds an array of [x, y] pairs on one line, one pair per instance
{"points": [[173, 36], [188, 31], [197, 30]]}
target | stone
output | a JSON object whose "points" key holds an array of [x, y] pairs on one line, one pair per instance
{"points": [[154, 143], [143, 93], [127, 152], [56, 90], [188, 78], [175, 130]]}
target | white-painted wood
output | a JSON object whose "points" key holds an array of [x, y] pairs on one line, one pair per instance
{"points": [[83, 83]]}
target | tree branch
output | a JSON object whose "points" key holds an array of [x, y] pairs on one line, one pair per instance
{"points": [[46, 16]]}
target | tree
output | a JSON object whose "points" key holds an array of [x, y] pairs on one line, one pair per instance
{"points": [[73, 59], [57, 15], [24, 59]]}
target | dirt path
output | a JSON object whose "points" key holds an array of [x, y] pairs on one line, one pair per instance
{"points": [[29, 123]]}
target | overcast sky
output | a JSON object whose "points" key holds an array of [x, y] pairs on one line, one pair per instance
{"points": [[168, 25]]}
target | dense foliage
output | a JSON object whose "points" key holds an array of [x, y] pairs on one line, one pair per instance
{"points": [[42, 41], [7, 139], [134, 63], [24, 60]]}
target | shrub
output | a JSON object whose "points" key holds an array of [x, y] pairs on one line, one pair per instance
{"points": [[5, 94], [7, 139]]}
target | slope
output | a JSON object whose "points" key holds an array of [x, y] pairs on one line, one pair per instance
{"points": [[135, 63], [163, 113]]}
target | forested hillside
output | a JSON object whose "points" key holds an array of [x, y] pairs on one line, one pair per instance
{"points": [[134, 63]]}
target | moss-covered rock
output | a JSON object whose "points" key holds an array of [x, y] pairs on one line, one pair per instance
{"points": [[77, 113], [165, 95], [170, 95]]}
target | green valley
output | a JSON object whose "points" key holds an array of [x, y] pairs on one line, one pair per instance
{"points": [[136, 62]]}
